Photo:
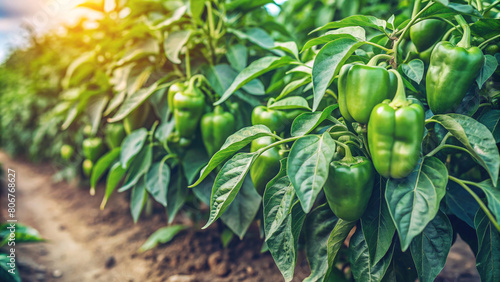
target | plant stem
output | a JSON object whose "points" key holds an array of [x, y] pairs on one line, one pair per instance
{"points": [[478, 200], [482, 45], [491, 7], [348, 155], [188, 64], [379, 46], [416, 8], [440, 146], [373, 61], [282, 141], [479, 4], [465, 42]]}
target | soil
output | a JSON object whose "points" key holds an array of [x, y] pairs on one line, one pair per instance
{"points": [[87, 244]]}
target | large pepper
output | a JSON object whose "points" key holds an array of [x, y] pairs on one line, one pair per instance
{"points": [[361, 87], [452, 71], [136, 119], [427, 32], [93, 148], [274, 119], [114, 135], [395, 133], [172, 90], [215, 128], [188, 109], [266, 166], [349, 186]]}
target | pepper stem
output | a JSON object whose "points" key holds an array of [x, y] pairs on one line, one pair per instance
{"points": [[373, 61], [400, 92], [465, 42], [218, 110], [348, 158]]}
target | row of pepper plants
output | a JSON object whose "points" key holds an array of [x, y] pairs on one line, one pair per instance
{"points": [[373, 146]]}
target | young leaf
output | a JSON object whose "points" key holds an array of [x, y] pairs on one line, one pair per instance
{"points": [[476, 138], [289, 47], [295, 102], [134, 100], [254, 70], [492, 121], [461, 203], [161, 236], [414, 70], [354, 32], [132, 145], [158, 179], [294, 85], [488, 256], [233, 144], [318, 227], [138, 199], [328, 62], [102, 165], [138, 168], [237, 55], [308, 165], [228, 184], [357, 20], [414, 200], [176, 195], [196, 8], [173, 44], [377, 224], [115, 175], [490, 65], [362, 268], [430, 249], [307, 122]]}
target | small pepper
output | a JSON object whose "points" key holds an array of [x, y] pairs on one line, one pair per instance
{"points": [[215, 128], [349, 185], [93, 148], [267, 165], [114, 135], [87, 167], [274, 119], [188, 109], [395, 133]]}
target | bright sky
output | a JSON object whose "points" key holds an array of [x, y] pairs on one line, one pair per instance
{"points": [[44, 15]]}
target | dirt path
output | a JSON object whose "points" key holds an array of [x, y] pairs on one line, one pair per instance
{"points": [[87, 244]]}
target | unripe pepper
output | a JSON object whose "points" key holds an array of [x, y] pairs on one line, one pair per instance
{"points": [[188, 109], [274, 119], [349, 186], [87, 167], [172, 90], [267, 165], [427, 32], [215, 128], [114, 135], [67, 151], [93, 148], [361, 87], [395, 133], [452, 71]]}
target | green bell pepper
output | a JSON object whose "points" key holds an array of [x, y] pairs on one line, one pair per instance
{"points": [[361, 87], [215, 128], [114, 135], [67, 151], [395, 133], [188, 106], [452, 71], [172, 90], [274, 119], [427, 32], [266, 166], [87, 167], [93, 148], [349, 186]]}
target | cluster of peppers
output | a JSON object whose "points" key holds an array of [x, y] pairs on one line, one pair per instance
{"points": [[372, 95]]}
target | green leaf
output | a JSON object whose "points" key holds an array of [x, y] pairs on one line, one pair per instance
{"points": [[283, 244], [377, 224], [414, 200], [362, 268], [318, 227], [354, 32], [161, 236], [278, 199], [486, 28], [79, 69], [176, 195], [157, 181], [173, 44], [115, 175], [228, 183], [233, 144], [414, 70], [5, 274], [476, 138], [142, 49], [103, 164], [289, 47], [461, 203], [488, 69], [131, 145], [357, 20], [237, 55], [492, 121], [488, 256], [308, 165], [255, 35], [460, 8], [307, 122], [243, 209], [430, 249], [290, 103], [196, 8], [138, 168], [138, 199], [492, 195], [294, 85], [337, 238], [193, 161], [175, 17], [95, 107], [23, 234], [328, 62], [254, 70], [133, 101]]}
